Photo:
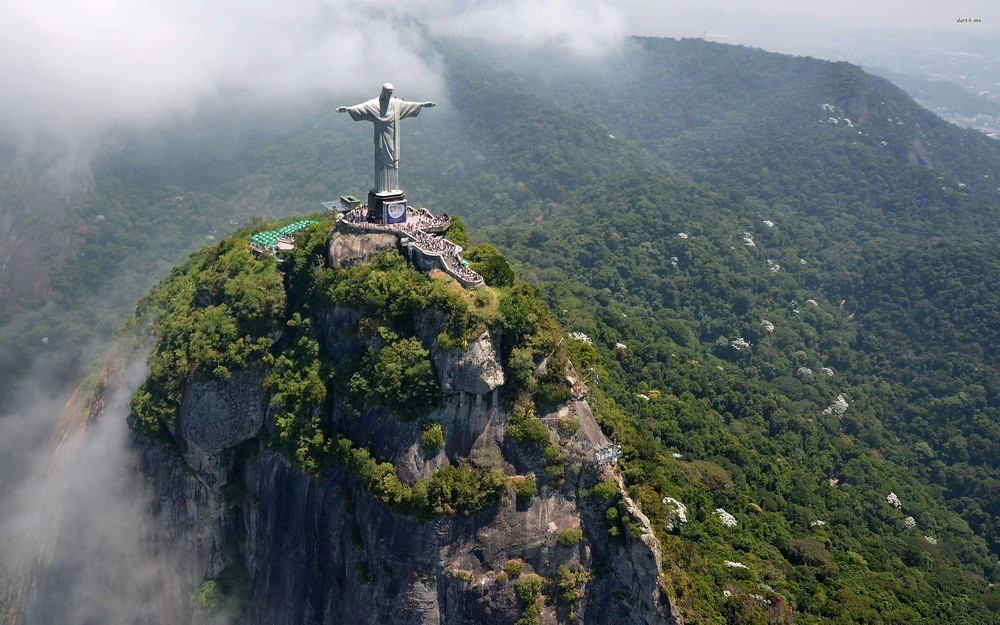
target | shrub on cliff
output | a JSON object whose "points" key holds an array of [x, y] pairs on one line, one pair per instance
{"points": [[569, 583], [529, 589], [527, 429], [570, 536], [404, 379], [299, 397], [432, 437], [398, 375], [460, 490], [525, 488], [487, 261]]}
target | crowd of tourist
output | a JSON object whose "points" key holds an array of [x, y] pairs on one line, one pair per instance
{"points": [[426, 220], [357, 216], [448, 251]]}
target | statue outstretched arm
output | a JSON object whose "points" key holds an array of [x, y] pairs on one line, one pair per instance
{"points": [[341, 109], [428, 104]]}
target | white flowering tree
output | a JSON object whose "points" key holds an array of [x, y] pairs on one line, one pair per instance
{"points": [[838, 408], [740, 344], [676, 513], [728, 520]]}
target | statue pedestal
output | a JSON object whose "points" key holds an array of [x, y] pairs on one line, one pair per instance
{"points": [[387, 208]]}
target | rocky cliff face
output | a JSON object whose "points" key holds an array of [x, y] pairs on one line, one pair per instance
{"points": [[325, 550]]}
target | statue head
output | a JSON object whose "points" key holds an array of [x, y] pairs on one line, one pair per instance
{"points": [[386, 91]]}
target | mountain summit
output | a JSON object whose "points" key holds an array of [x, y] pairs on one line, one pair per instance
{"points": [[350, 439]]}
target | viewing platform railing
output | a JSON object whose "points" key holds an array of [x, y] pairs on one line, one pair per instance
{"points": [[421, 234]]}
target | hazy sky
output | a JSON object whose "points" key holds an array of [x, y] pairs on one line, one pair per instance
{"points": [[692, 17], [72, 64]]}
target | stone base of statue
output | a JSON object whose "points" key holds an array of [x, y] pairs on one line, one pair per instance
{"points": [[387, 208]]}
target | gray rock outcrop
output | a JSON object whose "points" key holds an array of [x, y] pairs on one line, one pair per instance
{"points": [[475, 369], [215, 416], [345, 250], [219, 414]]}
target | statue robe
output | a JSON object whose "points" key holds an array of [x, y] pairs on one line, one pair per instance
{"points": [[385, 117]]}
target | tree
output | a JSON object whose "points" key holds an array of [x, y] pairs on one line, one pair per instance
{"points": [[491, 265]]}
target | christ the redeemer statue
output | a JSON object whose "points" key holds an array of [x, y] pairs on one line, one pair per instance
{"points": [[384, 112]]}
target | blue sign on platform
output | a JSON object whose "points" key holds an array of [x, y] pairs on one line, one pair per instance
{"points": [[395, 212]]}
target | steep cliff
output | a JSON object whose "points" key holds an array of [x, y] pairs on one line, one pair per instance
{"points": [[369, 449]]}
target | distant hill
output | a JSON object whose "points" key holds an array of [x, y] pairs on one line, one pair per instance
{"points": [[948, 100]]}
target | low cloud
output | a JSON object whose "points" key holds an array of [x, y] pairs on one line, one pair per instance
{"points": [[588, 28], [68, 66], [75, 524]]}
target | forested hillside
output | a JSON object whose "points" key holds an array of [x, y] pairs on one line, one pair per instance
{"points": [[736, 381], [783, 271], [820, 264]]}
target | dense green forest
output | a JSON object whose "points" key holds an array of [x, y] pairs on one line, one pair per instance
{"points": [[784, 270], [720, 366]]}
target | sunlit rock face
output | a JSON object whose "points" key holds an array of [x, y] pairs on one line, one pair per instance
{"points": [[475, 369], [348, 249]]}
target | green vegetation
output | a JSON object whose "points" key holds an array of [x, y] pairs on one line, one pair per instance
{"points": [[606, 489], [569, 583], [458, 232], [225, 594], [465, 576], [398, 376], [460, 490], [212, 315], [750, 426], [394, 293], [570, 536], [525, 489], [555, 468], [550, 393], [568, 426], [204, 330], [487, 261], [432, 437], [529, 589], [526, 428], [514, 568], [299, 399]]}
